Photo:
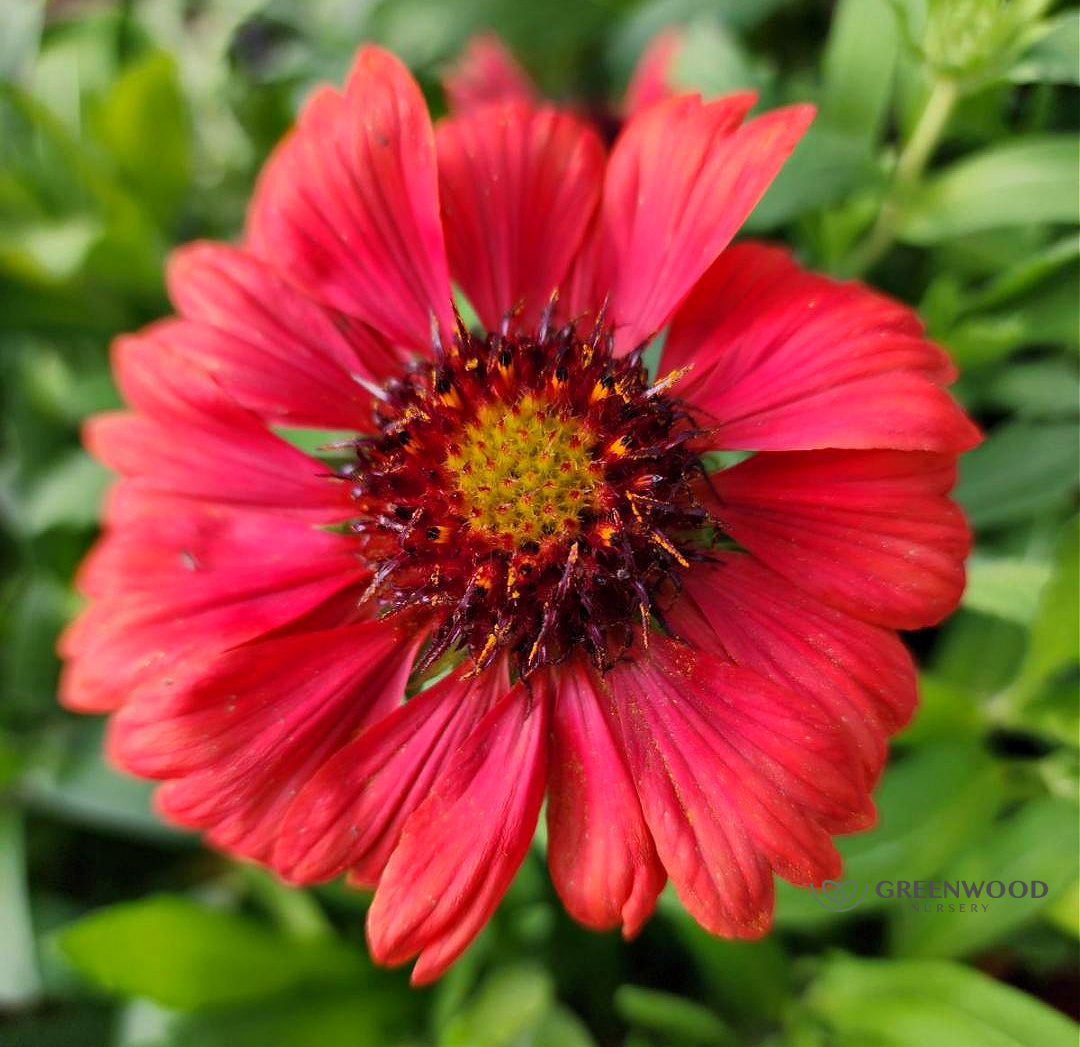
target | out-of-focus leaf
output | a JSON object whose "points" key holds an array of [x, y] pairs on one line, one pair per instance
{"points": [[825, 167], [1038, 843], [1022, 181], [36, 607], [929, 805], [677, 1020], [349, 1017], [1048, 388], [741, 978], [977, 655], [561, 1028], [81, 787], [511, 1002], [51, 250], [945, 711], [1027, 273], [184, 955], [69, 494], [713, 61], [1006, 587], [635, 32], [19, 980], [1052, 644], [1065, 912], [860, 62], [913, 1003], [1055, 56], [143, 123], [43, 172], [20, 27], [1022, 469], [78, 60], [1044, 316]]}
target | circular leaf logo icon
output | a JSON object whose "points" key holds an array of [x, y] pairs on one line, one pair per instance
{"points": [[839, 896]]}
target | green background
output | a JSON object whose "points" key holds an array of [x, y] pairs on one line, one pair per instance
{"points": [[943, 168]]}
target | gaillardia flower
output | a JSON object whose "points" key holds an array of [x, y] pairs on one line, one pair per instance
{"points": [[520, 570]]}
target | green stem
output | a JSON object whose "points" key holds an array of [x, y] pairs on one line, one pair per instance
{"points": [[910, 165]]}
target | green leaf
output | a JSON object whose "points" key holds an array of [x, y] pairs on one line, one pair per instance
{"points": [[928, 804], [917, 1003], [144, 124], [184, 955], [85, 1024], [20, 983], [976, 42], [561, 1028], [1007, 587], [80, 787], [48, 250], [1047, 388], [511, 1002], [1065, 912], [1038, 843], [1055, 57], [713, 61], [1022, 181], [825, 167], [20, 28], [1027, 273], [69, 494], [741, 978], [860, 64], [976, 656], [677, 1019], [316, 1018], [635, 32], [1022, 469], [945, 711], [37, 606], [1045, 316], [1052, 640]]}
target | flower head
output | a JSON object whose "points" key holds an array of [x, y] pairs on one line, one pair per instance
{"points": [[697, 667]]}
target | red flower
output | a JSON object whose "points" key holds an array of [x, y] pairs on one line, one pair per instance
{"points": [[697, 668]]}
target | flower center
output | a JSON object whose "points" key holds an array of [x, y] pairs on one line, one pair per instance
{"points": [[525, 471], [534, 495]]}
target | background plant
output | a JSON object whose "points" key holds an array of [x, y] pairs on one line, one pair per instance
{"points": [[943, 168]]}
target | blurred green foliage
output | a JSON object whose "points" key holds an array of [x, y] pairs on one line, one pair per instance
{"points": [[943, 167]]}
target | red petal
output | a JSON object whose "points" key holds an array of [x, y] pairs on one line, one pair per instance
{"points": [[519, 187], [352, 811], [861, 675], [239, 736], [348, 205], [682, 178], [274, 351], [871, 532], [176, 580], [485, 73], [602, 858], [219, 460], [587, 284], [734, 775], [651, 81], [789, 360], [460, 849]]}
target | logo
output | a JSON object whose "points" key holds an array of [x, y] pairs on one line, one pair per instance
{"points": [[839, 897], [927, 895]]}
